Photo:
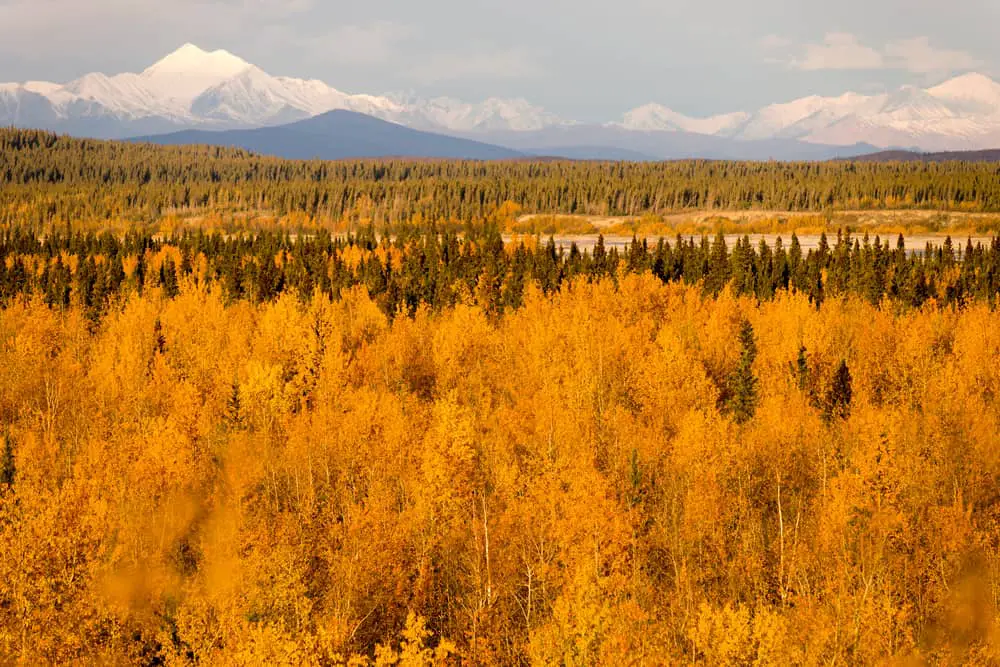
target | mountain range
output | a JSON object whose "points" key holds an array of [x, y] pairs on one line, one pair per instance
{"points": [[193, 88], [196, 89], [337, 135]]}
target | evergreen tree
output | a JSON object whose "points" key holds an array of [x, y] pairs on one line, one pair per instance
{"points": [[838, 397], [234, 407], [801, 369], [8, 469], [796, 265], [743, 383], [719, 265], [159, 340], [168, 278], [600, 258], [817, 293]]}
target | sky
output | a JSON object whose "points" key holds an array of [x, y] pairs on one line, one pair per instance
{"points": [[589, 60]]}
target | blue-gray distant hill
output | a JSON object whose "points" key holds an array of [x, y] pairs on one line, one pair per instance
{"points": [[915, 156], [608, 142], [340, 135]]}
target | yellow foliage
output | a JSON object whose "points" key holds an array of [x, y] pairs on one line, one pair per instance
{"points": [[308, 482]]}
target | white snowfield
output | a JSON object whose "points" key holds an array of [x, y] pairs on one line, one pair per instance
{"points": [[961, 113], [192, 87], [218, 90]]}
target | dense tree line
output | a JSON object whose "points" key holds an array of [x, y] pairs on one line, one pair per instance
{"points": [[44, 178], [422, 266]]}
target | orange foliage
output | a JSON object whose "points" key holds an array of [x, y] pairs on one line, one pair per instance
{"points": [[308, 482]]}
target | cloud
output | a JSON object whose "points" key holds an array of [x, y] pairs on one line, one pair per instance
{"points": [[772, 42], [503, 64], [95, 23], [65, 23], [918, 56], [567, 57], [844, 51], [278, 7], [372, 44], [839, 51]]}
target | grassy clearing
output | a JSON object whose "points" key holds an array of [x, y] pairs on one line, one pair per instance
{"points": [[906, 222]]}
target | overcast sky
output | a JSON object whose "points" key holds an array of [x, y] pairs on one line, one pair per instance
{"points": [[584, 59]]}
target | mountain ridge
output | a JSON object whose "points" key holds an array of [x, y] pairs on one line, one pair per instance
{"points": [[191, 88], [337, 135]]}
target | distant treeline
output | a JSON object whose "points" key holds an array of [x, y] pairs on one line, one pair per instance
{"points": [[45, 178], [992, 155], [423, 266]]}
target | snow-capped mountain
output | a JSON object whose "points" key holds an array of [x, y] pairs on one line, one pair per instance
{"points": [[493, 114], [190, 71], [196, 89], [960, 114], [973, 93], [656, 117], [799, 118]]}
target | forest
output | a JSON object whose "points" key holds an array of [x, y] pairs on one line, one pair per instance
{"points": [[426, 267], [613, 473], [47, 181], [420, 442]]}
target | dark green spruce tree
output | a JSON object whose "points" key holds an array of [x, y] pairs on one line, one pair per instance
{"points": [[743, 383], [8, 468], [801, 369], [234, 407], [838, 398]]}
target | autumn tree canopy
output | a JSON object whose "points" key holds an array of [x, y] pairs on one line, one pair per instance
{"points": [[412, 441]]}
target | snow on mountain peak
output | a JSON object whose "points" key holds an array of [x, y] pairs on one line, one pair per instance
{"points": [[190, 59], [651, 117], [447, 113], [125, 95], [971, 83], [658, 118], [961, 107], [42, 87], [190, 71], [192, 87], [250, 97], [515, 114], [972, 91]]}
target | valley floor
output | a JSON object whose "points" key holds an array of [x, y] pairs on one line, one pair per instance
{"points": [[912, 223]]}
